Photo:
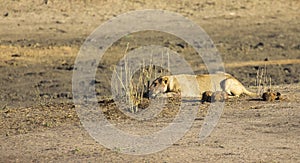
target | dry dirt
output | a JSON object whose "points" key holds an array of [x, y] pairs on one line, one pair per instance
{"points": [[40, 39]]}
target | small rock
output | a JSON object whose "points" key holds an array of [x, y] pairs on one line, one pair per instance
{"points": [[280, 46], [259, 45], [297, 47], [287, 70], [66, 95], [58, 22], [45, 95], [16, 55], [6, 14], [180, 45]]}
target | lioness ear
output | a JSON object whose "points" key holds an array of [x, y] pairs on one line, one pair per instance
{"points": [[165, 80]]}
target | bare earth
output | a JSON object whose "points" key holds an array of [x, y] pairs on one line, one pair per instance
{"points": [[39, 42]]}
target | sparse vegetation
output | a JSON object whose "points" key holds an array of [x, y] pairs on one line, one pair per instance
{"points": [[263, 80], [136, 84]]}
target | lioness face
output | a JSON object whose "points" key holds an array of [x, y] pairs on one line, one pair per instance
{"points": [[159, 85]]}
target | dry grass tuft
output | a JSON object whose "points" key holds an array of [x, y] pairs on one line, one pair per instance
{"points": [[136, 85], [263, 80]]}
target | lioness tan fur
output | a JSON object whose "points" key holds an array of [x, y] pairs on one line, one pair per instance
{"points": [[195, 85]]}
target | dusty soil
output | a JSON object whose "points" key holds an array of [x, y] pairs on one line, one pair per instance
{"points": [[41, 39]]}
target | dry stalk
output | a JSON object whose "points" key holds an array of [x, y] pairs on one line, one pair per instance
{"points": [[136, 85], [263, 80]]}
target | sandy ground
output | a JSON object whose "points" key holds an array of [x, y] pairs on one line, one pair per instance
{"points": [[41, 39]]}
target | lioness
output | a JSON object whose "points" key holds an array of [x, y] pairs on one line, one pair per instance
{"points": [[206, 82]]}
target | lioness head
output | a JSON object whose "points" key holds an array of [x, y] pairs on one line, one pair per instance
{"points": [[158, 86]]}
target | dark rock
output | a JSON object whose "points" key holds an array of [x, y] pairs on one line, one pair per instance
{"points": [[297, 47], [280, 46], [180, 45], [259, 45], [16, 55]]}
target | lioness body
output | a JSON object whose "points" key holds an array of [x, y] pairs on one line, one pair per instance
{"points": [[195, 85]]}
